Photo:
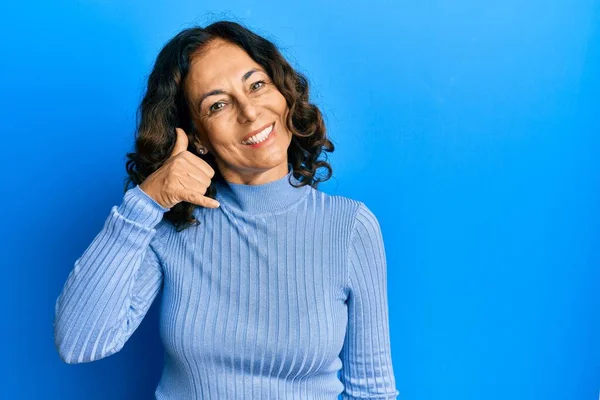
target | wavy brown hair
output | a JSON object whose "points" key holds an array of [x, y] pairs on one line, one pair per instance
{"points": [[165, 107]]}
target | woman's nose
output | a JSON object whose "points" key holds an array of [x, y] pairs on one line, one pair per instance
{"points": [[248, 111]]}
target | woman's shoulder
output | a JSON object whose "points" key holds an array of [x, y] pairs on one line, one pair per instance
{"points": [[343, 206]]}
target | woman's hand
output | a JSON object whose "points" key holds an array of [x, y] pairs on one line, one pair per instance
{"points": [[183, 177]]}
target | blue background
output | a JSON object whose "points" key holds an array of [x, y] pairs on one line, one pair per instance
{"points": [[471, 130]]}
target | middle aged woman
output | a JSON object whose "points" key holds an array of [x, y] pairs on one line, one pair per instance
{"points": [[268, 293]]}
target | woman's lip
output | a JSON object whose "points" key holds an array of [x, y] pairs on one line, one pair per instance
{"points": [[265, 142], [248, 136]]}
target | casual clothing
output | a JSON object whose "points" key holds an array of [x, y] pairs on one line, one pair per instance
{"points": [[280, 293]]}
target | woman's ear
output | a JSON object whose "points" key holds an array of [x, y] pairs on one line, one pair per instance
{"points": [[200, 148]]}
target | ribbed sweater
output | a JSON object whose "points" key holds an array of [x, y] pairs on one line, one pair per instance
{"points": [[279, 293]]}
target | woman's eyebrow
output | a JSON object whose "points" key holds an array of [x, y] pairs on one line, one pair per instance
{"points": [[221, 91]]}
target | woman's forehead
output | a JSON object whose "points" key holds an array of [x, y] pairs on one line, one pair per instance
{"points": [[219, 65]]}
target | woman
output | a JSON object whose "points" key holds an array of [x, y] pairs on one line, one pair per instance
{"points": [[270, 286]]}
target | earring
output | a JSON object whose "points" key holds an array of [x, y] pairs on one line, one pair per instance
{"points": [[201, 149]]}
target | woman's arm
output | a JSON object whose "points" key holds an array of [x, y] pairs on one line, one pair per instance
{"points": [[367, 371], [112, 285]]}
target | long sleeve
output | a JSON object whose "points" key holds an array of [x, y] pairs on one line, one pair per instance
{"points": [[367, 371], [112, 285]]}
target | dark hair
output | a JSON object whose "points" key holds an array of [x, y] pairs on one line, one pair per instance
{"points": [[165, 107]]}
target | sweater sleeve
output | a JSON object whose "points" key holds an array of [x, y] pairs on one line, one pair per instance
{"points": [[367, 371], [113, 283]]}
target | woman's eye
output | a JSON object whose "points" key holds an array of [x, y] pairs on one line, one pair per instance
{"points": [[213, 109], [254, 84]]}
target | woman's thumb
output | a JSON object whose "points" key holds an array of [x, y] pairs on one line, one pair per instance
{"points": [[181, 143]]}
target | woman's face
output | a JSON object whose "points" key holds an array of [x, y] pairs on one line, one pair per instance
{"points": [[232, 96]]}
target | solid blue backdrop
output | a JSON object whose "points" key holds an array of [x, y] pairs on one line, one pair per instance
{"points": [[470, 129]]}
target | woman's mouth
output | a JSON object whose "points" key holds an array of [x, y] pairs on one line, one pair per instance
{"points": [[261, 138]]}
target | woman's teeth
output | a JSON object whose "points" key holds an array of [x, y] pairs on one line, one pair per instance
{"points": [[259, 137]]}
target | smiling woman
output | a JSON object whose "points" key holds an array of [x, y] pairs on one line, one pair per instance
{"points": [[222, 84], [277, 292]]}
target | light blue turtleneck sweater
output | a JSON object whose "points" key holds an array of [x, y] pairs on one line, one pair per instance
{"points": [[280, 293]]}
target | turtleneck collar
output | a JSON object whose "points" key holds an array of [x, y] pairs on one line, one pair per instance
{"points": [[273, 196]]}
